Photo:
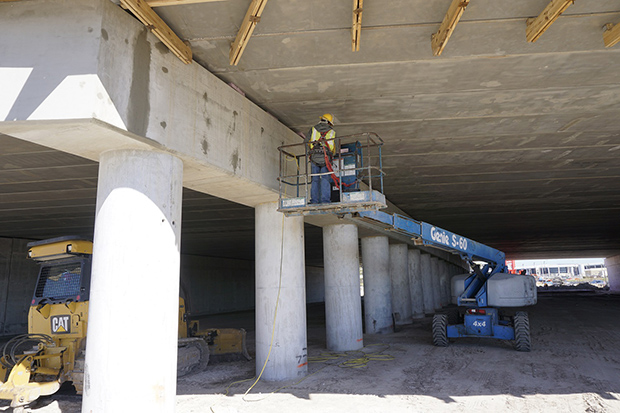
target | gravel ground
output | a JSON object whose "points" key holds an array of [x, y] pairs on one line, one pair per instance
{"points": [[574, 366]]}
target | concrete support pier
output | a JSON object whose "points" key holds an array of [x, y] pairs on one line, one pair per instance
{"points": [[343, 306], [435, 283], [427, 284], [401, 296], [613, 273], [415, 283], [135, 283], [280, 285], [377, 285], [443, 282]]}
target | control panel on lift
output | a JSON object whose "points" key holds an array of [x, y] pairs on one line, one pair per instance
{"points": [[355, 175]]}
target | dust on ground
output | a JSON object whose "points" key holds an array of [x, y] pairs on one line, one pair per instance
{"points": [[574, 366]]}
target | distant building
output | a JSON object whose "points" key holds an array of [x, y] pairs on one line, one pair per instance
{"points": [[565, 270]]}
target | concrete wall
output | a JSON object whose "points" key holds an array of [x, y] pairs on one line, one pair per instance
{"points": [[315, 285], [18, 277], [221, 285], [217, 285]]}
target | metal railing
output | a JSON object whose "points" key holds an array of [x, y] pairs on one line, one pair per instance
{"points": [[296, 176]]}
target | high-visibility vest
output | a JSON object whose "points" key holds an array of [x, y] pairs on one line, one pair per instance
{"points": [[329, 136]]}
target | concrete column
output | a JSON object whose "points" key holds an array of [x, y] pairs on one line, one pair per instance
{"points": [[134, 298], [443, 282], [613, 272], [427, 284], [415, 283], [401, 296], [377, 285], [343, 306], [280, 286], [435, 281]]}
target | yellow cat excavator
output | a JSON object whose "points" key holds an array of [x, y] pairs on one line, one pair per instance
{"points": [[37, 363]]}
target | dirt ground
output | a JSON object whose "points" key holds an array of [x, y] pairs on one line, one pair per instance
{"points": [[574, 366]]}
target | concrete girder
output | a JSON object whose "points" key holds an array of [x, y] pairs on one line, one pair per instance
{"points": [[104, 91]]}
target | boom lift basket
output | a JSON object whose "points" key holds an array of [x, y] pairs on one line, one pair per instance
{"points": [[356, 176]]}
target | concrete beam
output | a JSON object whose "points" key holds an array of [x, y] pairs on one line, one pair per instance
{"points": [[104, 82]]}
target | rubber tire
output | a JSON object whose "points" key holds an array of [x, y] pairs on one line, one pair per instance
{"points": [[521, 323], [454, 317], [440, 331]]}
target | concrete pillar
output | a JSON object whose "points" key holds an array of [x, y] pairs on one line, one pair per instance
{"points": [[377, 285], [435, 280], [443, 282], [280, 286], [401, 296], [427, 284], [134, 298], [415, 283], [343, 306], [613, 272]]}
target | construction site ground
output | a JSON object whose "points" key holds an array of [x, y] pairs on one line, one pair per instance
{"points": [[574, 366]]}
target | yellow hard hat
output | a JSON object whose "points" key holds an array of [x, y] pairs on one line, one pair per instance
{"points": [[328, 117]]}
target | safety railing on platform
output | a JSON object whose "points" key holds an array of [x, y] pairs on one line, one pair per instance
{"points": [[355, 172]]}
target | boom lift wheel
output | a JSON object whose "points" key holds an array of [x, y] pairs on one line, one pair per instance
{"points": [[440, 332], [454, 317], [522, 331]]}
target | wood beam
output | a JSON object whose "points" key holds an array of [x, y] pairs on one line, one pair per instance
{"points": [[159, 28], [611, 35], [356, 29], [251, 19], [440, 39], [161, 3], [536, 27]]}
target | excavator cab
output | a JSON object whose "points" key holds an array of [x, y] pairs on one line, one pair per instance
{"points": [[355, 174]]}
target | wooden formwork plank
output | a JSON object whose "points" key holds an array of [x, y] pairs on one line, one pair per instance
{"points": [[611, 35], [537, 26], [439, 40], [356, 29], [151, 20], [251, 19]]}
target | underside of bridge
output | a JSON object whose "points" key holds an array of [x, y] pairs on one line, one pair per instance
{"points": [[511, 143]]}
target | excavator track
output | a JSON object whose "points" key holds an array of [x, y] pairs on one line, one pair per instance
{"points": [[193, 353]]}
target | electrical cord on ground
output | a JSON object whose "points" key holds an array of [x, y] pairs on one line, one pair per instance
{"points": [[273, 329], [362, 359], [275, 313], [357, 359]]}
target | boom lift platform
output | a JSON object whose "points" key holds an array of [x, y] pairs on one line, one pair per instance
{"points": [[355, 173], [479, 294]]}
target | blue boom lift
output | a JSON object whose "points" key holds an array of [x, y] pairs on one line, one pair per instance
{"points": [[478, 294]]}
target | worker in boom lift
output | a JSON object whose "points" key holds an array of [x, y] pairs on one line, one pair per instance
{"points": [[321, 152]]}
